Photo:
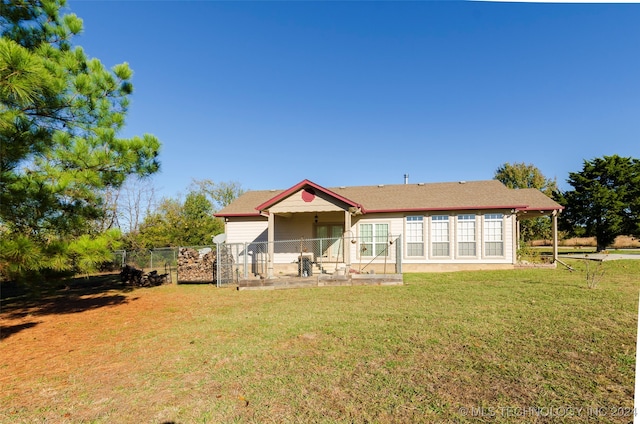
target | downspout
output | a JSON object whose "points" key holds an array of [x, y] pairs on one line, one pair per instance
{"points": [[515, 229], [518, 231]]}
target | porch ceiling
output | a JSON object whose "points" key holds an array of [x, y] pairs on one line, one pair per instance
{"points": [[532, 214]]}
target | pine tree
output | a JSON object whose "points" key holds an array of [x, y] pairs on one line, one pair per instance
{"points": [[60, 115]]}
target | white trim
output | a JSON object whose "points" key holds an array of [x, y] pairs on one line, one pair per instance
{"points": [[405, 238], [476, 223], [484, 237], [388, 223], [431, 237]]}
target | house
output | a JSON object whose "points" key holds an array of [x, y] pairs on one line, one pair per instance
{"points": [[404, 227]]}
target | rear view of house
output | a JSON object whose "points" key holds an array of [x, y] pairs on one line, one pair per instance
{"points": [[410, 227]]}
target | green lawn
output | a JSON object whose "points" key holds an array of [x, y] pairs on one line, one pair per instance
{"points": [[499, 346]]}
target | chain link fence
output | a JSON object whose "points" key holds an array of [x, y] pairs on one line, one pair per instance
{"points": [[207, 264], [228, 263], [117, 263], [308, 257], [163, 261]]}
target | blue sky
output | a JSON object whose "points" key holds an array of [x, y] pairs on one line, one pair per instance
{"points": [[268, 93]]}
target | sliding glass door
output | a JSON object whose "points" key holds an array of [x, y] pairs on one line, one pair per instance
{"points": [[331, 241]]}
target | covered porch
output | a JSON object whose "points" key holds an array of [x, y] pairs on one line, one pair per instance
{"points": [[528, 215], [300, 215]]}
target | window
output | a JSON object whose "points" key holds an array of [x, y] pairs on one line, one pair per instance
{"points": [[466, 235], [440, 235], [493, 235], [415, 236], [374, 240]]}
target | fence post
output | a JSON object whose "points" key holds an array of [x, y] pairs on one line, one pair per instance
{"points": [[217, 265], [399, 254], [246, 262]]}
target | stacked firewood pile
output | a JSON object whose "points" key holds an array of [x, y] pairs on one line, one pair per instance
{"points": [[200, 265], [196, 266], [136, 277]]}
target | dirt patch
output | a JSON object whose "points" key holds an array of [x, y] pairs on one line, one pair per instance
{"points": [[70, 343]]}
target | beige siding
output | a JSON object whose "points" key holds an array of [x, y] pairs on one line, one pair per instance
{"points": [[296, 203], [298, 226], [294, 227], [395, 222], [246, 230], [397, 226]]}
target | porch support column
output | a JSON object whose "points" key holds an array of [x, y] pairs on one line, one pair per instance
{"points": [[554, 225], [346, 244], [515, 228], [270, 249]]}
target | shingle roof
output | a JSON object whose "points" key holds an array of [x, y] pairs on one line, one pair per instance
{"points": [[488, 194], [535, 199]]}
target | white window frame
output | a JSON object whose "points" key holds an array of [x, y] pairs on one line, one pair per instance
{"points": [[466, 235], [414, 235], [440, 235], [493, 229], [378, 241]]}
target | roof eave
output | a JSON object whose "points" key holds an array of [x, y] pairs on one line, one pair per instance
{"points": [[300, 185], [236, 215], [545, 208], [448, 208]]}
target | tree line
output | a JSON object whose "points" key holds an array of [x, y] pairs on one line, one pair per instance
{"points": [[604, 201], [72, 190]]}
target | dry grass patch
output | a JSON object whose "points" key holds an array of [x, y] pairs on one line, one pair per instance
{"points": [[621, 242]]}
